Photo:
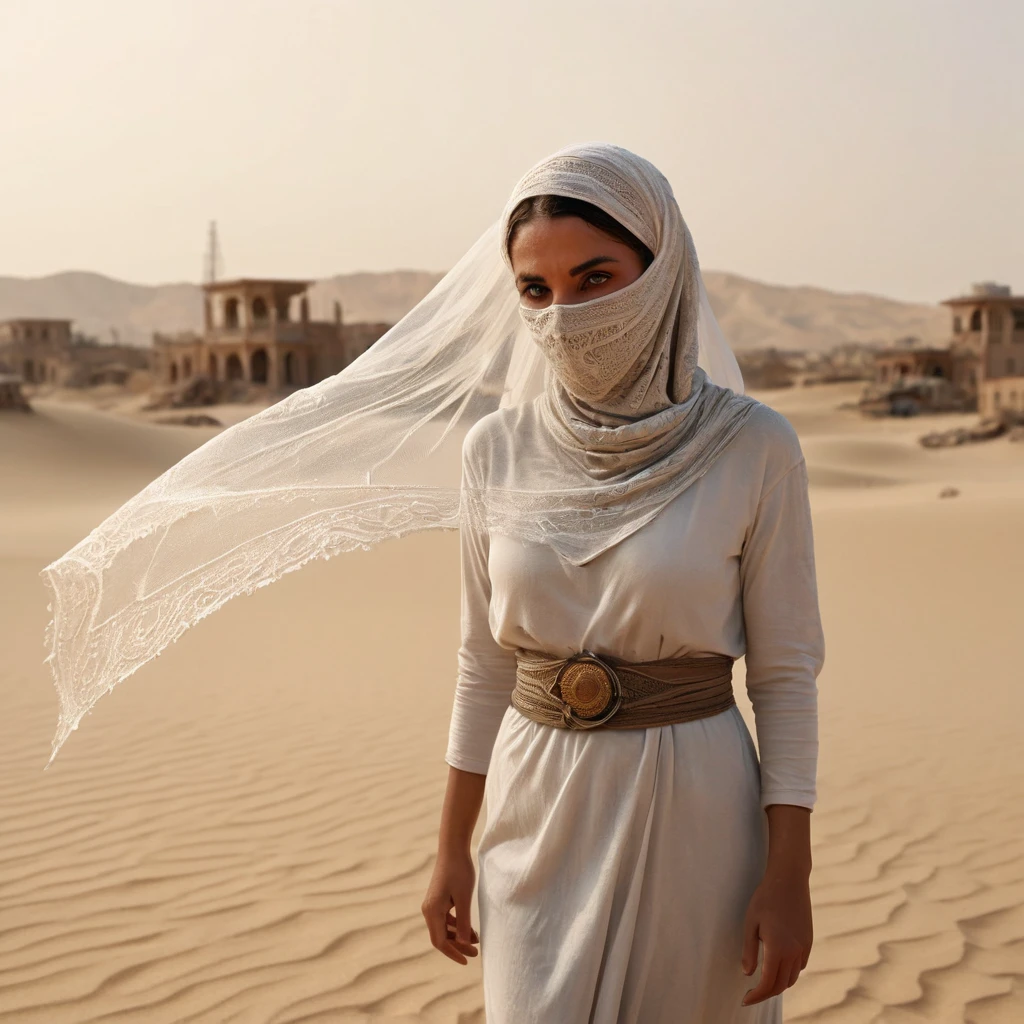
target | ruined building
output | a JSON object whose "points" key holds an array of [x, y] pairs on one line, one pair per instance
{"points": [[260, 331], [46, 352], [988, 331], [984, 362], [37, 350]]}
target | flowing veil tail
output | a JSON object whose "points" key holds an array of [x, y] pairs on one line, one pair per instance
{"points": [[368, 454]]}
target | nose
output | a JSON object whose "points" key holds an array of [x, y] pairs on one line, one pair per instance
{"points": [[568, 297]]}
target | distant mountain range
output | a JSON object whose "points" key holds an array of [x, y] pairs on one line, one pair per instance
{"points": [[752, 314]]}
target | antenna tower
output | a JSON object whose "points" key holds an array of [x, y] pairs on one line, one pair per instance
{"points": [[213, 261]]}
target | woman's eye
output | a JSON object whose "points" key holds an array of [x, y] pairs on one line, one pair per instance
{"points": [[534, 291], [596, 279]]}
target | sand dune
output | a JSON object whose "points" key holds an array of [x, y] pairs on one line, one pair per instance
{"points": [[243, 832], [754, 314]]}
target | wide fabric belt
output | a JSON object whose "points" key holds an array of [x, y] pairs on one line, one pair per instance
{"points": [[588, 692]]}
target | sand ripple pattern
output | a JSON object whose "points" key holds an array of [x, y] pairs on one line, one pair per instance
{"points": [[243, 833], [919, 838], [230, 841]]}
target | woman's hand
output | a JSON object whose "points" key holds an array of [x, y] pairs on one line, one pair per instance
{"points": [[779, 914], [451, 889], [451, 885]]}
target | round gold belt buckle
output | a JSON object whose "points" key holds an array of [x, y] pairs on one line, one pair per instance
{"points": [[590, 689]]}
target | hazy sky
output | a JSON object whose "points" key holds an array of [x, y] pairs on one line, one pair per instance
{"points": [[870, 145]]}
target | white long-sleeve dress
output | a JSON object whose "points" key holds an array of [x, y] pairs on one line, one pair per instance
{"points": [[615, 866]]}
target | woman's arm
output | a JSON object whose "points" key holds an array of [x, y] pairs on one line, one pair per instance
{"points": [[451, 885], [779, 913], [486, 676], [785, 651], [486, 671]]}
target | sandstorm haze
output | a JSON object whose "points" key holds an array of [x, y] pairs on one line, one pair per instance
{"points": [[244, 830], [870, 147]]}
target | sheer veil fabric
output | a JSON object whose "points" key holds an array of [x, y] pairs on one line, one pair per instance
{"points": [[583, 445]]}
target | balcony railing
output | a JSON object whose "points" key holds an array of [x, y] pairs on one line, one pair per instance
{"points": [[262, 330]]}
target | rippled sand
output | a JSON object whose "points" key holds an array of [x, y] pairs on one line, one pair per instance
{"points": [[243, 832]]}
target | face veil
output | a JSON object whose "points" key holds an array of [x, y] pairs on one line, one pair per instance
{"points": [[376, 451]]}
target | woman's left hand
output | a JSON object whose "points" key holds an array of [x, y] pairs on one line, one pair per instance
{"points": [[779, 916]]}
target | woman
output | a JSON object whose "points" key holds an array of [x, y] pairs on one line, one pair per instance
{"points": [[629, 874], [613, 498]]}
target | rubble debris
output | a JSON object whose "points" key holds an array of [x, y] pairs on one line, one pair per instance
{"points": [[946, 438], [191, 419], [1007, 422], [10, 393], [200, 391], [912, 396]]}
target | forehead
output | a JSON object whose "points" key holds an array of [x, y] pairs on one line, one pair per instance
{"points": [[553, 241]]}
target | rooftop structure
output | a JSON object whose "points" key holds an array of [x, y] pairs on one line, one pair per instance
{"points": [[989, 323], [990, 314]]}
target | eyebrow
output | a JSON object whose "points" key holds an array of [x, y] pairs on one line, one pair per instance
{"points": [[590, 264], [574, 272]]}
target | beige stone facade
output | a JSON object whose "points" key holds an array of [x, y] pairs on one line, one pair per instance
{"points": [[36, 349], [897, 364], [260, 331], [988, 326], [44, 353], [932, 379], [1000, 394]]}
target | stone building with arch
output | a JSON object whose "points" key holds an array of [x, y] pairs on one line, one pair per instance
{"points": [[988, 329], [259, 330]]}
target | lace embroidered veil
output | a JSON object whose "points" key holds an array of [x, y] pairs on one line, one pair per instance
{"points": [[375, 452]]}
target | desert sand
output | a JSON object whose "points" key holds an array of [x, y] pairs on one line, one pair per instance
{"points": [[243, 831]]}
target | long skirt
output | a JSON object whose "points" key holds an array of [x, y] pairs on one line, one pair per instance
{"points": [[615, 869]]}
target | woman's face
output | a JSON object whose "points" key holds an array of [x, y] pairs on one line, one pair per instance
{"points": [[565, 260]]}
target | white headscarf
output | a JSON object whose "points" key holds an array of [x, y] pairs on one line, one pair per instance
{"points": [[375, 451], [634, 351], [627, 420]]}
